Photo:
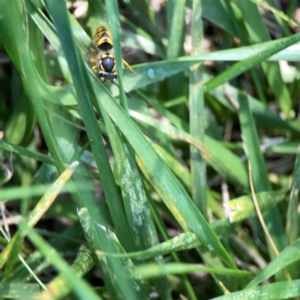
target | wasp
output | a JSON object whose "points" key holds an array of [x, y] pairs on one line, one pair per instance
{"points": [[105, 61]]}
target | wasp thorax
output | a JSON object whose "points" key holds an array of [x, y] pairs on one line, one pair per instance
{"points": [[108, 63]]}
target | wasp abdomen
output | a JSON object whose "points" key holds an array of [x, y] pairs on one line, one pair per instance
{"points": [[103, 38]]}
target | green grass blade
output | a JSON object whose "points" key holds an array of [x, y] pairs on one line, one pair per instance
{"points": [[196, 109], [81, 83], [258, 33], [25, 152], [118, 272], [19, 290], [60, 287], [242, 66], [280, 290], [292, 225], [289, 255], [242, 208], [80, 287], [259, 171], [154, 270], [175, 19], [135, 200]]}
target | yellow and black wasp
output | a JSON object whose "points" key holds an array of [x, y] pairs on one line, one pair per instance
{"points": [[105, 62]]}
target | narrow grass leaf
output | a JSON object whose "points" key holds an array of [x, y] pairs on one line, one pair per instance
{"points": [[80, 287], [196, 114], [90, 235], [242, 66], [117, 272], [243, 208], [181, 242], [19, 290], [273, 291], [286, 148], [292, 225], [175, 19], [149, 271], [60, 286], [26, 152], [288, 256], [82, 84], [135, 200], [259, 171], [177, 168]]}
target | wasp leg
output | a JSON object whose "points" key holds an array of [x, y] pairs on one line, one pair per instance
{"points": [[95, 64], [126, 64]]}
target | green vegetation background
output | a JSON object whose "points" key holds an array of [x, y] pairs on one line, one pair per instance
{"points": [[120, 198]]}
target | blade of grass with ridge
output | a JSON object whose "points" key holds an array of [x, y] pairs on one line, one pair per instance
{"points": [[135, 201], [196, 113], [82, 84], [260, 173], [292, 225], [274, 291]]}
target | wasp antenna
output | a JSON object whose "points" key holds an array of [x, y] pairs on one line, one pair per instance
{"points": [[115, 83], [124, 91], [129, 96]]}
